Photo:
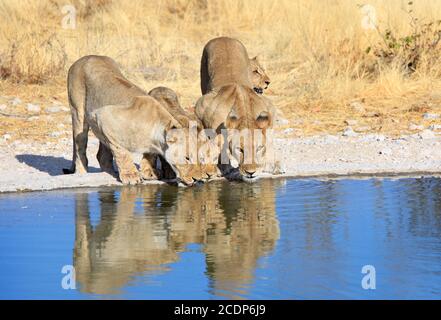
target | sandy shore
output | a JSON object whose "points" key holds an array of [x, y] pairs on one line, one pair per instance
{"points": [[38, 166]]}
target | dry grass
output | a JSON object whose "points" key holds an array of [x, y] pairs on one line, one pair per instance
{"points": [[317, 53]]}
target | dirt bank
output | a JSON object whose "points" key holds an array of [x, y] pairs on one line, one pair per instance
{"points": [[38, 166]]}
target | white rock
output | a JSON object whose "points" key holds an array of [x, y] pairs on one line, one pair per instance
{"points": [[330, 139], [380, 137], [3, 107], [15, 101], [426, 134], [17, 143], [351, 122], [386, 151], [357, 106], [53, 109], [435, 127], [55, 134], [281, 121], [364, 129], [348, 132], [279, 118], [288, 131], [6, 136], [430, 116], [33, 107], [413, 126]]}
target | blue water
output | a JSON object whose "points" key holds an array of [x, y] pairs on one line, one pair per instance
{"points": [[274, 239]]}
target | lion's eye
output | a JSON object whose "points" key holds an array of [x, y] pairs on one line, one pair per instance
{"points": [[256, 71]]}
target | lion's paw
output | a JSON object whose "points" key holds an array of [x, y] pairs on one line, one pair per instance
{"points": [[130, 178]]}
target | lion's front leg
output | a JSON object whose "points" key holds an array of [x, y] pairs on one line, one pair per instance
{"points": [[148, 167], [128, 174]]}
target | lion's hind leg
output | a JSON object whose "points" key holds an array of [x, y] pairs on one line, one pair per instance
{"points": [[80, 129]]}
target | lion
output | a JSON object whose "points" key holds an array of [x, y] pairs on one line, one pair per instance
{"points": [[93, 82], [255, 73], [230, 103], [207, 143], [143, 128]]}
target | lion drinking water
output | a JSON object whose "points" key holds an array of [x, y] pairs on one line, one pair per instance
{"points": [[230, 102], [142, 128], [95, 82]]}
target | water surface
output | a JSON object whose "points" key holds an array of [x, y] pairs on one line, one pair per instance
{"points": [[274, 239]]}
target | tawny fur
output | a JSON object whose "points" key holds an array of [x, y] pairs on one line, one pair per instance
{"points": [[230, 100], [141, 127], [225, 60], [94, 82]]}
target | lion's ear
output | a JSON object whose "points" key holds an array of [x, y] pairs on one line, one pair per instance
{"points": [[232, 119], [263, 120]]}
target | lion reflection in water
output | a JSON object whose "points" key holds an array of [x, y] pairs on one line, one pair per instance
{"points": [[143, 229]]}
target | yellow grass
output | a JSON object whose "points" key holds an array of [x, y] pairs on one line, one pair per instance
{"points": [[313, 50]]}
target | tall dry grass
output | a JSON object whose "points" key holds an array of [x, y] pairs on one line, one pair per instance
{"points": [[317, 53]]}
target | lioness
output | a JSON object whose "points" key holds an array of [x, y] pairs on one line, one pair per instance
{"points": [[232, 103], [256, 73], [125, 129], [208, 146], [93, 82]]}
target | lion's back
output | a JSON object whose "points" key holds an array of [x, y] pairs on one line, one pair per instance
{"points": [[224, 61]]}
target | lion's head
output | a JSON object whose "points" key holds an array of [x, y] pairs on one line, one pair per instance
{"points": [[259, 78], [186, 168], [242, 117], [209, 144], [182, 150]]}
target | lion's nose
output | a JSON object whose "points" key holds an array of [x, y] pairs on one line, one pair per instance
{"points": [[195, 180], [258, 90], [250, 173]]}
